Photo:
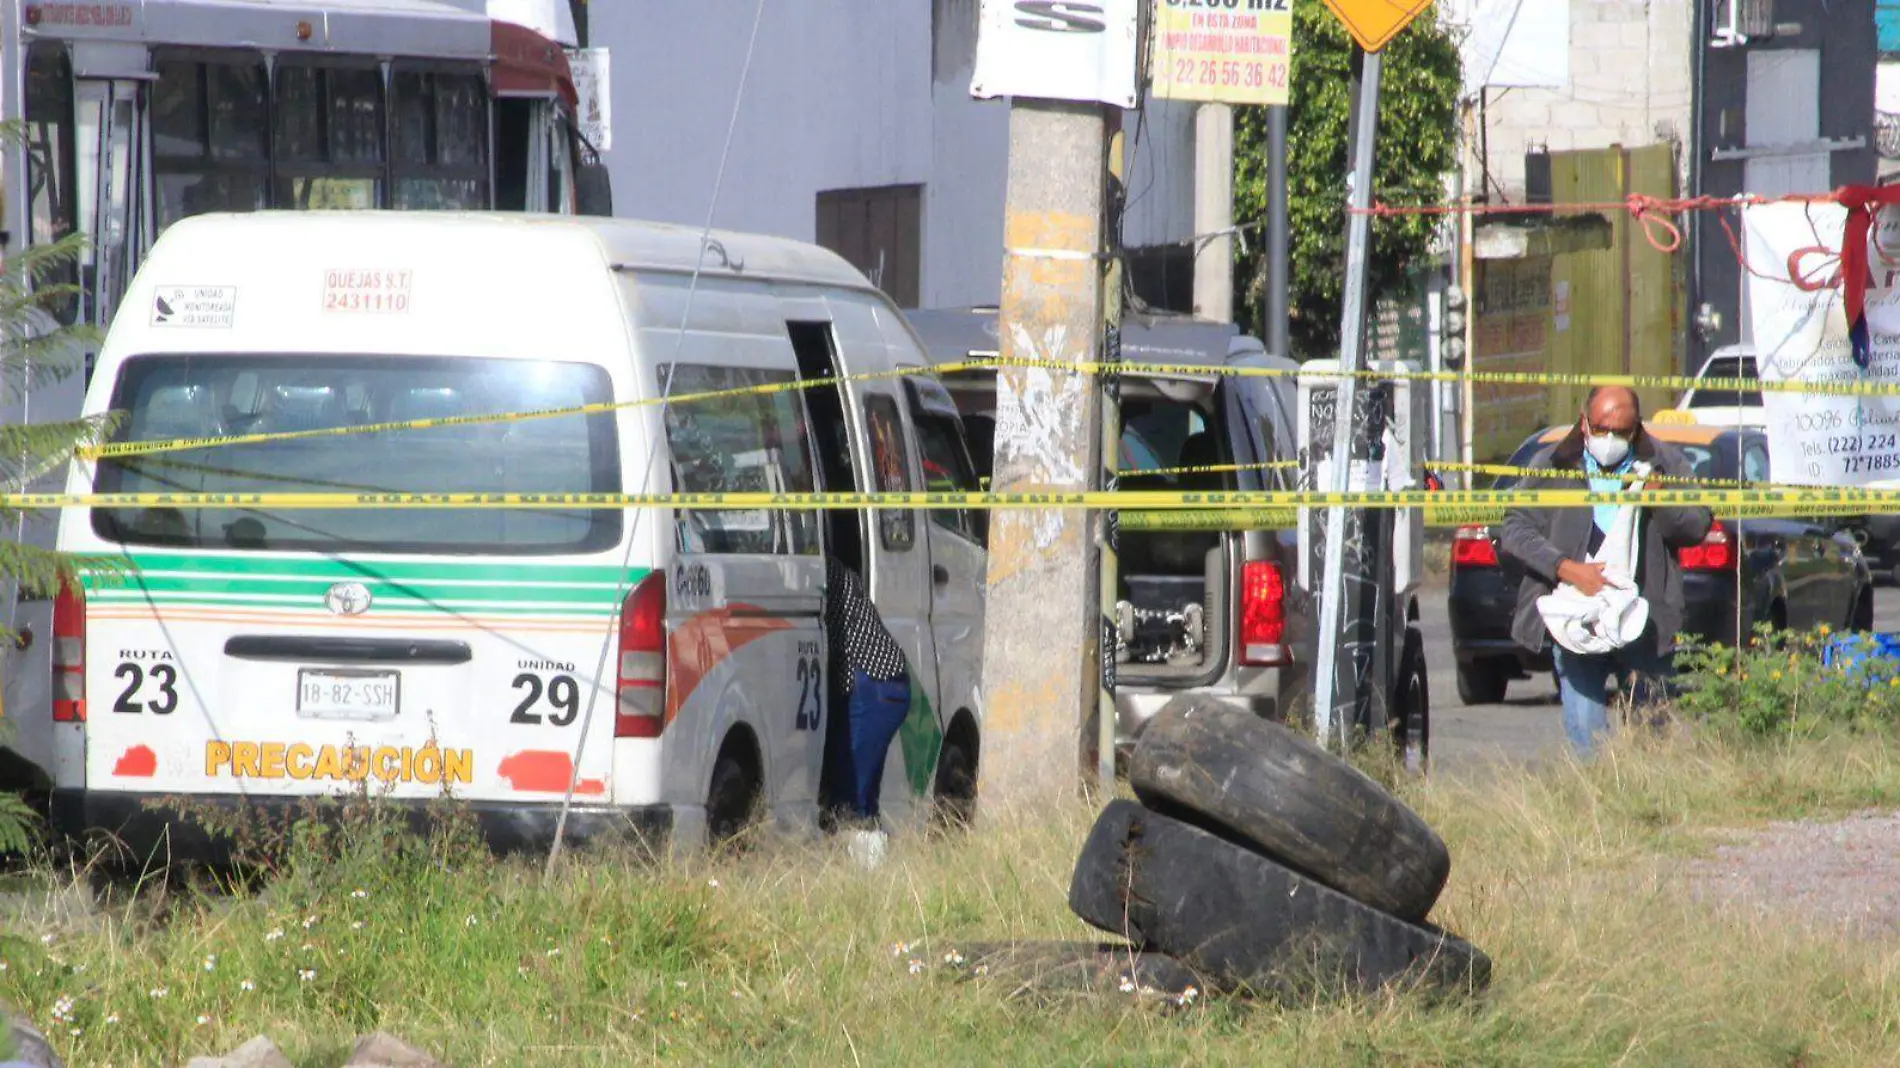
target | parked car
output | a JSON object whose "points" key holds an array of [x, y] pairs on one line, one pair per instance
{"points": [[1220, 613], [1726, 407], [1793, 573]]}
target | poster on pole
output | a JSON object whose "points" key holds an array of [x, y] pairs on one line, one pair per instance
{"points": [[1226, 52], [1057, 50], [1798, 314], [593, 84]]}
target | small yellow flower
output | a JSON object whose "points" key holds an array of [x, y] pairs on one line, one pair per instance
{"points": [[1721, 670], [1826, 630], [1776, 674]]}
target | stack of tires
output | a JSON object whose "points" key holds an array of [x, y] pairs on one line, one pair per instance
{"points": [[1263, 862]]}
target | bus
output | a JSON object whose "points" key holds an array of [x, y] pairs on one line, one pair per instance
{"points": [[138, 113]]}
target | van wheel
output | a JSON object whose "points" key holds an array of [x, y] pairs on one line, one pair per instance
{"points": [[1862, 618], [1481, 682], [1410, 721], [954, 803], [732, 801]]}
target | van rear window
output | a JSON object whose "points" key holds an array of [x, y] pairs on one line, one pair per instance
{"points": [[167, 397]]}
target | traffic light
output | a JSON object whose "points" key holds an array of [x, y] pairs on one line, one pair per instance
{"points": [[1452, 329]]}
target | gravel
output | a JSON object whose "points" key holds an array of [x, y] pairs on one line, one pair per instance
{"points": [[1841, 876]]}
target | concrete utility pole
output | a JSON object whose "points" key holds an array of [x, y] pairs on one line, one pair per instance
{"points": [[1214, 212], [1042, 635]]}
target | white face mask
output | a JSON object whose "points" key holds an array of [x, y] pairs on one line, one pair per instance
{"points": [[1607, 449]]}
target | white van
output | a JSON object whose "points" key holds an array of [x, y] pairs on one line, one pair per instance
{"points": [[671, 665]]}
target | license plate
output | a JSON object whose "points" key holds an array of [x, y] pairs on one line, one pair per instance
{"points": [[337, 693]]}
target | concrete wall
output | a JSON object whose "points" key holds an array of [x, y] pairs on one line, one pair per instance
{"points": [[1630, 83], [842, 94]]}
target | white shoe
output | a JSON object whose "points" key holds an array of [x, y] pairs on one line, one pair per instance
{"points": [[867, 848]]}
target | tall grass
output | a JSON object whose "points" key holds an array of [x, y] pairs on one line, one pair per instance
{"points": [[1571, 877]]}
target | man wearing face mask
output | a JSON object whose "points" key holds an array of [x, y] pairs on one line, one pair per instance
{"points": [[1555, 547]]}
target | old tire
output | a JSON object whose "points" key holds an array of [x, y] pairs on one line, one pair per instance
{"points": [[1285, 797], [1249, 923], [1043, 968]]}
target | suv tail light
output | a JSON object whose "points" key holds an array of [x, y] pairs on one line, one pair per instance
{"points": [[641, 711], [1262, 614], [1471, 546], [69, 654], [1716, 553]]}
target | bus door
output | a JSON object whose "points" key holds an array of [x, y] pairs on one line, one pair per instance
{"points": [[111, 176], [533, 162], [534, 142]]}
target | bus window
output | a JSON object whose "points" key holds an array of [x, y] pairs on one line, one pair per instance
{"points": [[329, 137], [209, 145], [51, 194], [440, 140]]}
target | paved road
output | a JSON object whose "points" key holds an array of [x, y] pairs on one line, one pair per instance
{"points": [[1528, 724]]}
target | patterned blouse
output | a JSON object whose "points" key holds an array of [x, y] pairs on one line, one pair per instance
{"points": [[858, 640]]}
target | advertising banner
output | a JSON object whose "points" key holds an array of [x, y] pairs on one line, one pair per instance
{"points": [[1798, 315]]}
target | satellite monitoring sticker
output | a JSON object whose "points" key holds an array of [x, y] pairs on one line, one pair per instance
{"points": [[195, 307]]}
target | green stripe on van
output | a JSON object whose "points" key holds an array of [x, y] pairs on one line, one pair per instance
{"points": [[297, 588], [335, 570], [289, 582]]}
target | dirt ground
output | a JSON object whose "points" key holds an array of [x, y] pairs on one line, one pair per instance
{"points": [[1841, 875]]}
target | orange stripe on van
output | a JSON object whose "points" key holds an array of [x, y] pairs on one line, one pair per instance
{"points": [[705, 641]]}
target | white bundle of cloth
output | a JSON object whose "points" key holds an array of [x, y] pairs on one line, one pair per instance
{"points": [[1615, 616]]}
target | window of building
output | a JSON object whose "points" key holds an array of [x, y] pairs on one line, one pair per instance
{"points": [[210, 135], [328, 137], [880, 231], [742, 443], [439, 139]]}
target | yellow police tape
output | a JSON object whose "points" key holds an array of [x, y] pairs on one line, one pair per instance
{"points": [[1125, 369], [1452, 503], [118, 449]]}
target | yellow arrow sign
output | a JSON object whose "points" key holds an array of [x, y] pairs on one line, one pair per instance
{"points": [[1373, 23]]}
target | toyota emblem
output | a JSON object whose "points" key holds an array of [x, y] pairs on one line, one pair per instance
{"points": [[347, 599]]}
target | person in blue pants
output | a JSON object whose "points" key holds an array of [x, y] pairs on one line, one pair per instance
{"points": [[868, 670]]}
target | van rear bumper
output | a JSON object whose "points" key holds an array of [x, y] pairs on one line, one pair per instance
{"points": [[161, 833]]}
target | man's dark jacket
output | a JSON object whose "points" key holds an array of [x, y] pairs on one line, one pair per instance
{"points": [[1539, 538]]}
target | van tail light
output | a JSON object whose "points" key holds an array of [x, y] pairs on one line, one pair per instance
{"points": [[1471, 546], [69, 654], [641, 711], [1716, 553], [1262, 614]]}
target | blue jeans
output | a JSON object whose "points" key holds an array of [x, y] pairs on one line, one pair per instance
{"points": [[1584, 682], [858, 742]]}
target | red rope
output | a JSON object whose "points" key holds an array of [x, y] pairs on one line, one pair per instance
{"points": [[1659, 217]]}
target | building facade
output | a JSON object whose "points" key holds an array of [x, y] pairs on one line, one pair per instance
{"points": [[1762, 97], [857, 131]]}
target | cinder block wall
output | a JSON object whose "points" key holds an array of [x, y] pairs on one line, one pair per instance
{"points": [[1631, 78]]}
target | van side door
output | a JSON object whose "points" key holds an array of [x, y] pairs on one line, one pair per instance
{"points": [[895, 548], [955, 538]]}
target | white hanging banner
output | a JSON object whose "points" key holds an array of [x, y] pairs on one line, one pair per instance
{"points": [[593, 84], [1798, 314], [1058, 50]]}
